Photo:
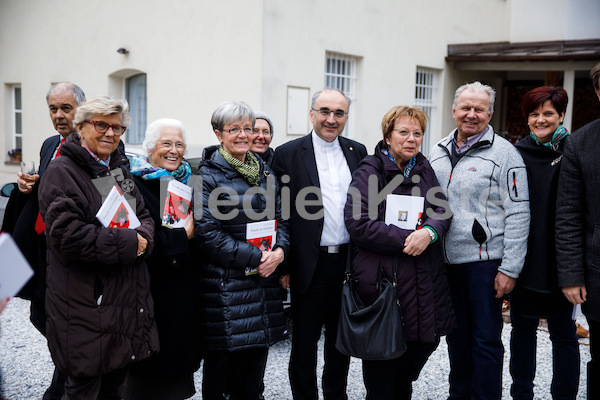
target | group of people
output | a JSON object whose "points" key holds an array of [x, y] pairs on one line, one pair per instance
{"points": [[131, 313]]}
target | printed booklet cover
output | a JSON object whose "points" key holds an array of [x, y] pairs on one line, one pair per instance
{"points": [[263, 235], [116, 212], [404, 211], [178, 205]]}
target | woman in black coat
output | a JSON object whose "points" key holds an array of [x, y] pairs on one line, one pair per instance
{"points": [[168, 375], [99, 311], [238, 323], [537, 294], [422, 285]]}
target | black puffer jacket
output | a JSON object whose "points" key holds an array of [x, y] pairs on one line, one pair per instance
{"points": [[233, 307], [100, 314]]}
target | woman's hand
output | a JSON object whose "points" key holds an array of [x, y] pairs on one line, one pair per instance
{"points": [[142, 243], [189, 227], [285, 281], [417, 242], [270, 261]]}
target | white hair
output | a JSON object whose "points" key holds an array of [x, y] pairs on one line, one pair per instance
{"points": [[154, 130]]}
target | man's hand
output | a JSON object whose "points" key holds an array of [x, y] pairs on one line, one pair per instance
{"points": [[575, 294], [417, 242], [503, 284], [22, 183], [270, 261]]}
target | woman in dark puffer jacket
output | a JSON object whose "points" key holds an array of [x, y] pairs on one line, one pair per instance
{"points": [[422, 285], [238, 324]]}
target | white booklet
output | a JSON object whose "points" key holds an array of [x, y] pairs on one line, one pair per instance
{"points": [[263, 235], [178, 205], [14, 268], [116, 212], [404, 211]]}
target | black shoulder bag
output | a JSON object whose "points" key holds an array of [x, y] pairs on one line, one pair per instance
{"points": [[373, 332]]}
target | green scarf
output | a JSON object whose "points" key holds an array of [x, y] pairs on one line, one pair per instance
{"points": [[250, 170], [557, 136]]}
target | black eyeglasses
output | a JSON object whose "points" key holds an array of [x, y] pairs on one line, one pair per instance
{"points": [[102, 127], [338, 114]]}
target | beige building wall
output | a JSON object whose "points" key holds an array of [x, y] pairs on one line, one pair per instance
{"points": [[197, 53]]}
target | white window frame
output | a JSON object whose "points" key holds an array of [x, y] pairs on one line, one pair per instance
{"points": [[139, 116], [16, 113], [425, 96], [340, 73]]}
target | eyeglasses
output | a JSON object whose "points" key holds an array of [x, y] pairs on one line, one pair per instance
{"points": [[102, 127], [324, 112], [404, 134], [169, 145], [265, 132], [235, 131]]}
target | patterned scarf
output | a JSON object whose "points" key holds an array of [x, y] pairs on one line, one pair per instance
{"points": [[95, 156], [142, 168], [409, 165], [249, 170], [558, 134]]}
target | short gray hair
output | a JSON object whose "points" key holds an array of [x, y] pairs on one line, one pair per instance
{"points": [[476, 87], [62, 87], [317, 94], [103, 105], [154, 130], [229, 112], [263, 115]]}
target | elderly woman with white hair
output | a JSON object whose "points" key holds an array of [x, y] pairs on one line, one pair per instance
{"points": [[98, 303], [167, 375]]}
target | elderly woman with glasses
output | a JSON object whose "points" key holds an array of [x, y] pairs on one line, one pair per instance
{"points": [[98, 303], [168, 375], [381, 243], [238, 323]]}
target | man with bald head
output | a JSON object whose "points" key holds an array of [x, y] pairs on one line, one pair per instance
{"points": [[318, 168]]}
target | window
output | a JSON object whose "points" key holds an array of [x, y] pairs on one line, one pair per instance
{"points": [[135, 92], [340, 73], [17, 126], [425, 89]]}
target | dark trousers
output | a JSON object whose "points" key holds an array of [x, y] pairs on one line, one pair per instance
{"points": [[475, 348], [240, 371], [318, 307], [593, 366], [109, 386], [38, 319], [392, 379], [565, 353]]}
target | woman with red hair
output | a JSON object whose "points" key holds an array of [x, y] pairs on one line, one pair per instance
{"points": [[537, 294]]}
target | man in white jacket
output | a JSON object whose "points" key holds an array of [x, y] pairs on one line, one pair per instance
{"points": [[485, 180]]}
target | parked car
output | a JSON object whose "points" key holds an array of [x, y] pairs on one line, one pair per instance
{"points": [[4, 195]]}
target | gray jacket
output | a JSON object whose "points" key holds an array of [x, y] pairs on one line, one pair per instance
{"points": [[488, 194]]}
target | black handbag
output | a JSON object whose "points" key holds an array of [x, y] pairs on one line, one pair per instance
{"points": [[373, 332]]}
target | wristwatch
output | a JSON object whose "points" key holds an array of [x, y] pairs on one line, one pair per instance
{"points": [[431, 233]]}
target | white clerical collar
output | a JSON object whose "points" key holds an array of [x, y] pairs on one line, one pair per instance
{"points": [[322, 143]]}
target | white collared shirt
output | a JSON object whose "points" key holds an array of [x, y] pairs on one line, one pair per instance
{"points": [[334, 179]]}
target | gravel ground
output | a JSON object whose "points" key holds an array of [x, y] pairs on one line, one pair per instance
{"points": [[27, 368]]}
